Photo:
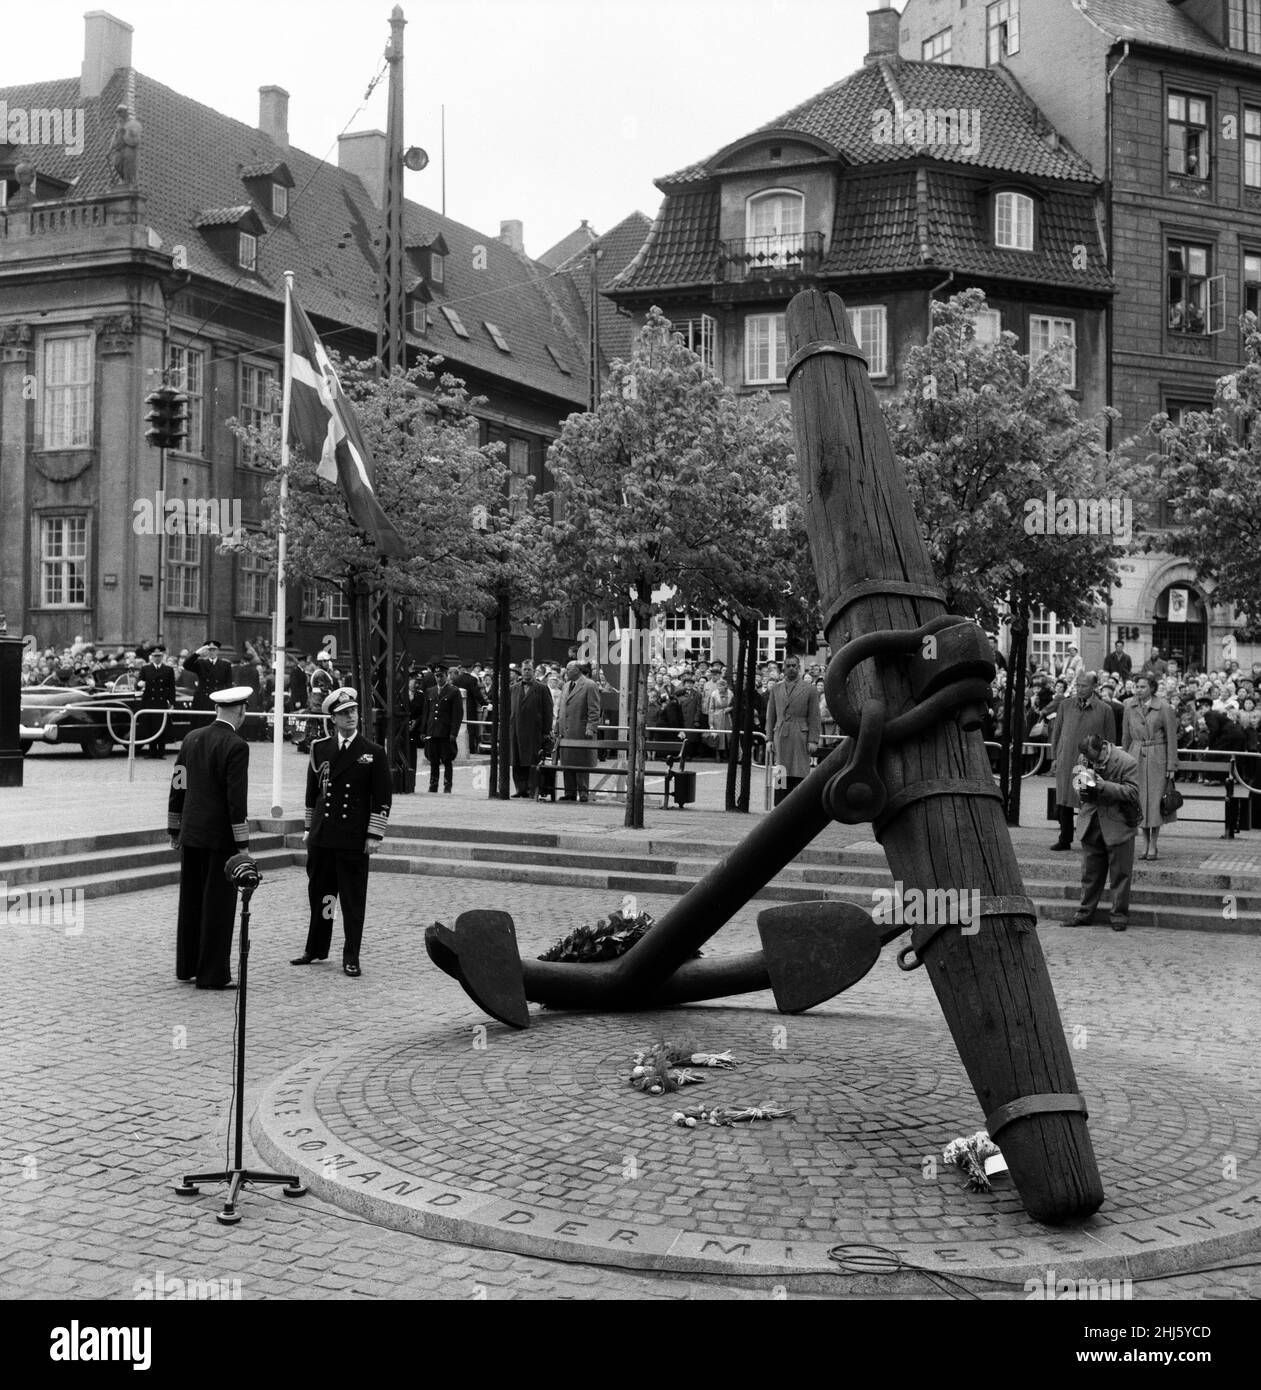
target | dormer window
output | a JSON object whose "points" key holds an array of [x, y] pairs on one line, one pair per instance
{"points": [[233, 233], [436, 268], [279, 200], [1245, 25], [774, 227], [1013, 221], [419, 317], [247, 251]]}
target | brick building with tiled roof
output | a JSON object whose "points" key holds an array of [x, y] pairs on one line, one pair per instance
{"points": [[104, 281], [1163, 97], [904, 182]]}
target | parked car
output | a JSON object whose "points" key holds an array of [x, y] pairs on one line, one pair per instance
{"points": [[59, 714]]}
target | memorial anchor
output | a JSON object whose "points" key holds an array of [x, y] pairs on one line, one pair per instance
{"points": [[907, 691]]}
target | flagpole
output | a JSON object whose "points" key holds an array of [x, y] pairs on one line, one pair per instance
{"points": [[278, 639]]}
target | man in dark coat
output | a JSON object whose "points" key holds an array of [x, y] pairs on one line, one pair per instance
{"points": [[531, 725], [1106, 824], [206, 819], [297, 687], [348, 799], [440, 723], [1119, 663], [578, 718], [1080, 714], [156, 682], [212, 672]]}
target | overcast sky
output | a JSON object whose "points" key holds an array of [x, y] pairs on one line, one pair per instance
{"points": [[556, 110]]}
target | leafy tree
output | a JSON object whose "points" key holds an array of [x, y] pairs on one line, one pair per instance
{"points": [[1210, 475], [431, 479], [984, 437], [756, 564], [638, 476]]}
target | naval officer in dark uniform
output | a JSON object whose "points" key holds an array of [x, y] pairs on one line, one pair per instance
{"points": [[156, 683], [212, 672], [348, 798], [206, 819]]}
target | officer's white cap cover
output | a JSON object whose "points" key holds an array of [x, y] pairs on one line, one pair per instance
{"points": [[345, 698], [233, 695]]}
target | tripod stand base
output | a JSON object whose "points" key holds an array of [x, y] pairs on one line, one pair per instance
{"points": [[237, 1178]]}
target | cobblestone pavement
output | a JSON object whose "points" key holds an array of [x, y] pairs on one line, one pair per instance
{"points": [[118, 1080]]}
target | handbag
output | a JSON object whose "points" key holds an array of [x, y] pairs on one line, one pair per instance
{"points": [[1170, 801]]}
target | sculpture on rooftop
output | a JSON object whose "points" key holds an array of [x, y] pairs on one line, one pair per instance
{"points": [[124, 150]]}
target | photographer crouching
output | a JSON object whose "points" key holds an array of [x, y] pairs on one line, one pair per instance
{"points": [[1106, 781]]}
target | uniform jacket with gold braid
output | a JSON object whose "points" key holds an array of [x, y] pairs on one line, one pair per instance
{"points": [[348, 793], [209, 789]]}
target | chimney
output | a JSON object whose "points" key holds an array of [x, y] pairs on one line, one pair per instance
{"points": [[273, 114], [106, 48], [363, 153], [512, 233], [883, 26]]}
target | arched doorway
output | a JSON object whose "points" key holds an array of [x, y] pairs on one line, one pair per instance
{"points": [[1180, 629]]}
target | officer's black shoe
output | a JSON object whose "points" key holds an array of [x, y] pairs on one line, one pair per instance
{"points": [[306, 959], [351, 968]]}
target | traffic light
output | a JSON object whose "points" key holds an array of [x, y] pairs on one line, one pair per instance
{"points": [[166, 418], [291, 633]]}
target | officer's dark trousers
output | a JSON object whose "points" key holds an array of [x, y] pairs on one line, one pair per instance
{"points": [[441, 753], [335, 875], [207, 915]]}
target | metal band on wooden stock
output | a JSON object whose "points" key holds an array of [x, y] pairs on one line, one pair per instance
{"points": [[880, 588], [1056, 1103], [1007, 905], [922, 791], [819, 350]]}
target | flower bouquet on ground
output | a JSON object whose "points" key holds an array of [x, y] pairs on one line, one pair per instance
{"points": [[605, 940], [969, 1155], [727, 1115], [666, 1066]]}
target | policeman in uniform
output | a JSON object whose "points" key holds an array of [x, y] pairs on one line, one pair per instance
{"points": [[212, 672], [156, 682], [206, 819], [348, 797], [440, 723]]}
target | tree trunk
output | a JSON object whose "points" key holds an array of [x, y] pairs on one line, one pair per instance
{"points": [[736, 742], [945, 828], [502, 752], [1005, 746], [637, 717], [748, 637], [1019, 663]]}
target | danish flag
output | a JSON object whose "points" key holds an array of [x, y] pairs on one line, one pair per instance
{"points": [[322, 423]]}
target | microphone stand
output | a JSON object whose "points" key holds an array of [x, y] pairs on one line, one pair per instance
{"points": [[248, 878]]}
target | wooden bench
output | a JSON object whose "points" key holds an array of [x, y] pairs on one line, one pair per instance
{"points": [[676, 781]]}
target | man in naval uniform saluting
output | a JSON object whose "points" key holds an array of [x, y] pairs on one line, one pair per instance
{"points": [[348, 798], [206, 819]]}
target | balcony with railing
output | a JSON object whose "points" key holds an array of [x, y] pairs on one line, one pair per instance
{"points": [[761, 264], [29, 228]]}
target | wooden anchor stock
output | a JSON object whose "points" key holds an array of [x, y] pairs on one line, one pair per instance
{"points": [[941, 823]]}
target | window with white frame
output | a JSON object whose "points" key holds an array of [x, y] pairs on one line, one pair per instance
{"points": [[68, 392], [183, 572], [1050, 639], [765, 349], [871, 327], [774, 228], [247, 250], [1252, 146], [260, 403], [279, 200], [187, 367], [988, 324], [1252, 283], [1245, 25], [937, 49], [1013, 221], [1187, 138], [324, 604], [63, 561], [772, 641], [518, 476], [436, 268], [1190, 267], [1002, 30], [701, 336], [420, 317], [253, 587], [1045, 332]]}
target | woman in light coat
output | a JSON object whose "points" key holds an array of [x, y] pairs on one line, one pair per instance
{"points": [[718, 711], [1149, 734]]}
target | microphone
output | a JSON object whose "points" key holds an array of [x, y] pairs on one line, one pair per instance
{"points": [[242, 872]]}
